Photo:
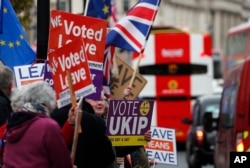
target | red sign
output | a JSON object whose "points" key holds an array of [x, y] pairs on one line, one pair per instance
{"points": [[65, 27], [72, 58], [169, 47]]}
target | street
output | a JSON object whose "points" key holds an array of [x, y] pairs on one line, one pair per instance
{"points": [[181, 163]]}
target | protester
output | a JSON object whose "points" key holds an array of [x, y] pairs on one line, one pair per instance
{"points": [[6, 81], [91, 147], [137, 158], [94, 149], [100, 108], [33, 139], [134, 156]]}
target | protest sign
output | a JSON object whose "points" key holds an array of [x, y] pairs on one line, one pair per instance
{"points": [[72, 58], [47, 74], [128, 121], [162, 147], [26, 74], [65, 27], [125, 75]]}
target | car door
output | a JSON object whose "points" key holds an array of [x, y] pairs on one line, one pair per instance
{"points": [[225, 134]]}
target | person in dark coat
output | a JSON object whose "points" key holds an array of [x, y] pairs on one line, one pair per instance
{"points": [[6, 81], [94, 149], [137, 154], [60, 115]]}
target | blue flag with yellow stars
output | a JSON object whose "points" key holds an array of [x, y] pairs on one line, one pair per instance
{"points": [[99, 9], [14, 47], [1, 16]]}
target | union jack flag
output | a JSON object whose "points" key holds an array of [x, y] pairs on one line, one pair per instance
{"points": [[107, 68], [131, 32], [113, 18]]}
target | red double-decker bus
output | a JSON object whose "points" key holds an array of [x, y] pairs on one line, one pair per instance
{"points": [[178, 67]]}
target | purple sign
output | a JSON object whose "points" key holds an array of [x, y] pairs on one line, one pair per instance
{"points": [[97, 77], [48, 75], [129, 117]]}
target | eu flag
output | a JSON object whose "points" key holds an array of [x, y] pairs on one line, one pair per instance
{"points": [[99, 9], [1, 16], [14, 47]]}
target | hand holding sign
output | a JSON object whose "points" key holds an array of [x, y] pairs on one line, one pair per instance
{"points": [[147, 136], [127, 92]]}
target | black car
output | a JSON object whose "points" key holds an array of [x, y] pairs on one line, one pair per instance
{"points": [[201, 136]]}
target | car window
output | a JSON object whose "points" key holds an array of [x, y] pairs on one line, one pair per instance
{"points": [[214, 109], [196, 114], [228, 105]]}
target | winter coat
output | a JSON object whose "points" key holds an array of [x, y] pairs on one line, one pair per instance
{"points": [[34, 140], [94, 149], [5, 108]]}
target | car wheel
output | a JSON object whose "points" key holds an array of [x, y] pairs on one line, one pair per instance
{"points": [[197, 165], [194, 166], [190, 166], [193, 162]]}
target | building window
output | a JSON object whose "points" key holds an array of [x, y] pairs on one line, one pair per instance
{"points": [[63, 5], [126, 5]]}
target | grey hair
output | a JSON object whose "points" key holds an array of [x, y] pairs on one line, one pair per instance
{"points": [[6, 76], [39, 92]]}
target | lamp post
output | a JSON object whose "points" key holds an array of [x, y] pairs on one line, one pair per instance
{"points": [[43, 15]]}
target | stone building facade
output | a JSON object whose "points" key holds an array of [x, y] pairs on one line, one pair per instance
{"points": [[213, 16]]}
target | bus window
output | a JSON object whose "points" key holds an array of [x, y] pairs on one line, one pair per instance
{"points": [[236, 43], [173, 69], [217, 65]]}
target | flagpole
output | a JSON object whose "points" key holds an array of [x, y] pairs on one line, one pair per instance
{"points": [[77, 128], [86, 8], [135, 70]]}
